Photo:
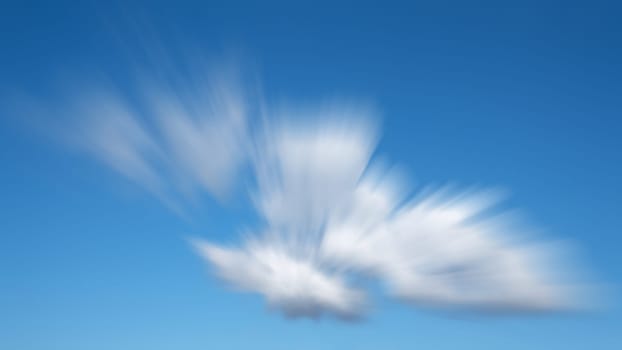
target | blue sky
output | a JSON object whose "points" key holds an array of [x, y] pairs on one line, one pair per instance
{"points": [[520, 95]]}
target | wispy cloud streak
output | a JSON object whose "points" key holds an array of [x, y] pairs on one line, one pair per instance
{"points": [[174, 143]]}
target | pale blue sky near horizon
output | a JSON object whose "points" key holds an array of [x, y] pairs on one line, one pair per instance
{"points": [[521, 95]]}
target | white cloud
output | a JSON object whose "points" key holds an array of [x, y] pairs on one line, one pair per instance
{"points": [[325, 210], [297, 285], [170, 143], [438, 252], [330, 214]]}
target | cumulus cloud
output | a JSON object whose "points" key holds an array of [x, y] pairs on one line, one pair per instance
{"points": [[328, 209], [297, 285], [332, 217]]}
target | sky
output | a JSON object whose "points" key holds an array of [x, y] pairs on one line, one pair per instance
{"points": [[522, 96]]}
